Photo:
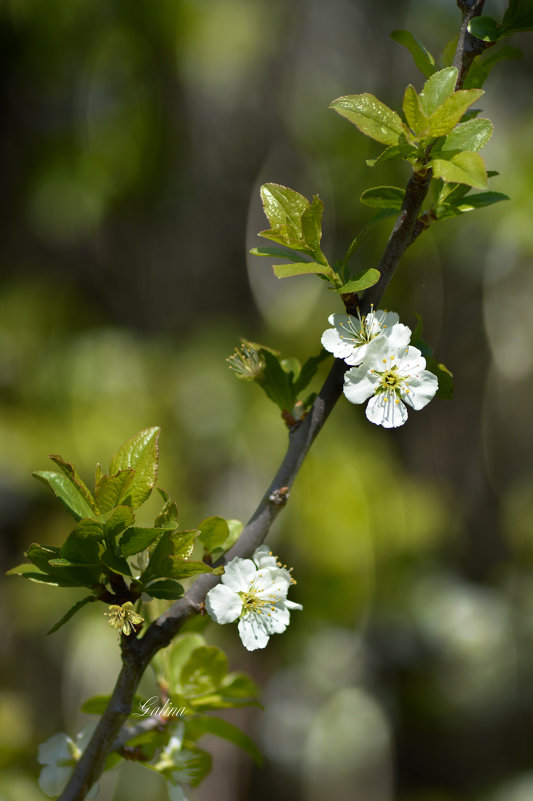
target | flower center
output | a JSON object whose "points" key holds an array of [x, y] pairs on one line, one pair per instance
{"points": [[252, 604]]}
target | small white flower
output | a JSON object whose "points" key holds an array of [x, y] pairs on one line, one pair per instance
{"points": [[390, 377], [254, 591], [58, 755], [350, 337]]}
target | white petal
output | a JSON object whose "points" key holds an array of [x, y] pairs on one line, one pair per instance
{"points": [[253, 632], [56, 749], [359, 384], [422, 388], [292, 605], [263, 557], [386, 410], [175, 791], [239, 574], [272, 583], [276, 619], [398, 335], [223, 605], [340, 347], [52, 779]]}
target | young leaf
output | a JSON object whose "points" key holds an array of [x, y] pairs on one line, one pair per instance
{"points": [[29, 572], [177, 654], [203, 672], [116, 563], [235, 528], [284, 207], [237, 690], [446, 117], [422, 57], [97, 705], [383, 197], [168, 516], [437, 89], [416, 118], [371, 116], [275, 252], [111, 490], [205, 724], [471, 136], [308, 371], [141, 454], [481, 67], [72, 474], [482, 199], [213, 532], [276, 382], [170, 558], [464, 168], [135, 540], [484, 28], [71, 612], [304, 268], [312, 225], [82, 544], [67, 492], [518, 17], [167, 590], [365, 279], [119, 520]]}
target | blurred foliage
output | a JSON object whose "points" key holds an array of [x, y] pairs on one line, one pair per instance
{"points": [[134, 139]]}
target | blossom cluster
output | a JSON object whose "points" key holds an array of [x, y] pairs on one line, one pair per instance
{"points": [[254, 592], [384, 368]]}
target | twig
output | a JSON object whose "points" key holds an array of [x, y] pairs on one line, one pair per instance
{"points": [[138, 653]]}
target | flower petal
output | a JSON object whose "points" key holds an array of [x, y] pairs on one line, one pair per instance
{"points": [[276, 619], [359, 384], [292, 605], [386, 410], [239, 574], [252, 632], [422, 388], [263, 557], [59, 748], [52, 779], [223, 604]]}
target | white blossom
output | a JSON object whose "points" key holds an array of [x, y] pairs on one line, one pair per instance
{"points": [[58, 755], [254, 592], [391, 377], [351, 336]]}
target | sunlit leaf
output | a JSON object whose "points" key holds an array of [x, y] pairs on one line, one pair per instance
{"points": [[421, 56], [141, 454], [371, 116], [437, 89], [464, 168]]}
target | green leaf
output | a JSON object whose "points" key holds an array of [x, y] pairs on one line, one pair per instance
{"points": [[275, 252], [204, 724], [235, 528], [116, 563], [482, 199], [72, 474], [384, 197], [416, 118], [422, 57], [141, 454], [213, 532], [304, 268], [118, 521], [176, 656], [71, 612], [446, 117], [518, 17], [203, 672], [168, 516], [308, 371], [312, 225], [437, 89], [471, 136], [82, 544], [464, 168], [111, 490], [284, 207], [135, 540], [482, 66], [69, 495], [403, 151], [97, 705], [365, 279], [169, 558], [29, 572], [167, 590], [484, 28], [371, 116], [237, 690], [65, 574], [276, 382]]}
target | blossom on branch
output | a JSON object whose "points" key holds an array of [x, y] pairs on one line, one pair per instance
{"points": [[391, 377], [254, 592], [351, 336]]}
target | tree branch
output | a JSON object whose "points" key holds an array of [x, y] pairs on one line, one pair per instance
{"points": [[137, 653]]}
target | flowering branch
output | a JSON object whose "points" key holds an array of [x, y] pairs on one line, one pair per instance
{"points": [[137, 653]]}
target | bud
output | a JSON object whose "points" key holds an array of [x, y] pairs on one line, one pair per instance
{"points": [[247, 362]]}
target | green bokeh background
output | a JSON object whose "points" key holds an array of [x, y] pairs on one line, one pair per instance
{"points": [[134, 139]]}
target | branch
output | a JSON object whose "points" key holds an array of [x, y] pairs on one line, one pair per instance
{"points": [[138, 653]]}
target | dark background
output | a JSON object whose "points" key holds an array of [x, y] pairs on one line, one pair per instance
{"points": [[133, 141]]}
